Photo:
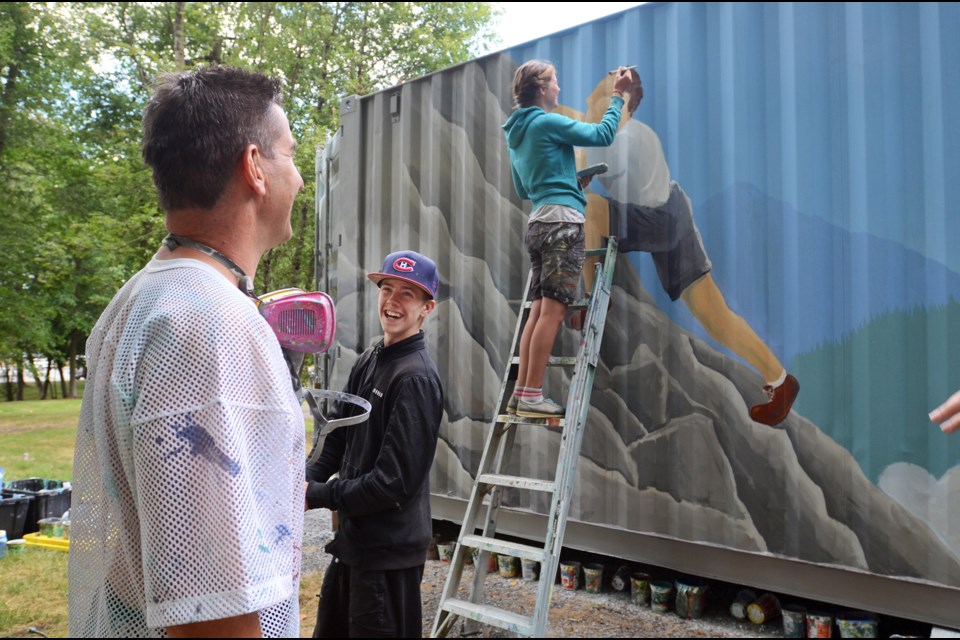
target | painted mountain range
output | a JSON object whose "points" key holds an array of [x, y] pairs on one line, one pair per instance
{"points": [[670, 448]]}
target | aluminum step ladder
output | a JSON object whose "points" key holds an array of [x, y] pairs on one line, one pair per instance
{"points": [[490, 480]]}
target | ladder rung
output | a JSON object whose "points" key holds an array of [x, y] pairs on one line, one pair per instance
{"points": [[505, 548], [579, 304], [530, 484], [496, 458], [553, 361], [509, 418], [486, 614]]}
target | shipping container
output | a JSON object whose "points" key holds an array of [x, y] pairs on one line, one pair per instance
{"points": [[814, 142]]}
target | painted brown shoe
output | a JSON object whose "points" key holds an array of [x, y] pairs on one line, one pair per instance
{"points": [[781, 399]]}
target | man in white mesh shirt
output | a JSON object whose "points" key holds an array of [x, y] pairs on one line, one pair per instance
{"points": [[188, 473]]}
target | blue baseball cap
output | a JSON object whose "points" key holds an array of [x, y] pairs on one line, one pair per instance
{"points": [[411, 267]]}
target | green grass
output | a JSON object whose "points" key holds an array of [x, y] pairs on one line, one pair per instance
{"points": [[38, 438], [34, 593], [34, 583]]}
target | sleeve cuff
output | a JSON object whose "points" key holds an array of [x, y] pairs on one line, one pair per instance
{"points": [[319, 496]]}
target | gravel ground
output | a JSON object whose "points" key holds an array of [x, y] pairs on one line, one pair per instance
{"points": [[573, 614]]}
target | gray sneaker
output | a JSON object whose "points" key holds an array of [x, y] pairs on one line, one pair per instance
{"points": [[546, 409], [512, 405]]}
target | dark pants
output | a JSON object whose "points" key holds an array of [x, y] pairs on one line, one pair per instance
{"points": [[357, 603]]}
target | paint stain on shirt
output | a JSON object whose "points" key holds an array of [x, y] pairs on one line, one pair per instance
{"points": [[202, 444]]}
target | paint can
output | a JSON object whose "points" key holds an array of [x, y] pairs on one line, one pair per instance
{"points": [[621, 578], [492, 565], [51, 527], [570, 575], [857, 624], [432, 553], [640, 589], [744, 599], [593, 577], [509, 566], [661, 595], [691, 593], [794, 621], [16, 547], [819, 624], [445, 549], [764, 610], [529, 569], [470, 559]]}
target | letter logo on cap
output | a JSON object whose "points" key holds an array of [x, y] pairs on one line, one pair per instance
{"points": [[404, 264]]}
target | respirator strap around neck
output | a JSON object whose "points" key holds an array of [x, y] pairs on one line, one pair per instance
{"points": [[245, 282]]}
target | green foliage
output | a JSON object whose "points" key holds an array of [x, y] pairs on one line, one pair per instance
{"points": [[78, 212]]}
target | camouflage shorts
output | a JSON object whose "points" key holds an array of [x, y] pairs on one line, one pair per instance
{"points": [[556, 253]]}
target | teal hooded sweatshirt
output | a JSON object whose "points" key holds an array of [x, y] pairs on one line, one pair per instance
{"points": [[541, 152]]}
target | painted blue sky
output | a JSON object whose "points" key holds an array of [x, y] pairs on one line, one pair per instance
{"points": [[834, 118]]}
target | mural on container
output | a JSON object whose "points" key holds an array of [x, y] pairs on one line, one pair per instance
{"points": [[821, 197]]}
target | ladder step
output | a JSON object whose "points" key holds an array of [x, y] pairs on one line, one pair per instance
{"points": [[505, 548], [509, 418], [579, 304], [521, 625], [553, 361], [530, 484], [496, 459]]}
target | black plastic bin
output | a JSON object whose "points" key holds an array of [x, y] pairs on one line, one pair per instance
{"points": [[47, 499], [13, 514]]}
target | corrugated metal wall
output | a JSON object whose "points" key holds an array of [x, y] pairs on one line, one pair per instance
{"points": [[815, 144]]}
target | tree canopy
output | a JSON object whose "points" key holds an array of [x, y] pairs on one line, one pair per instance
{"points": [[78, 210]]}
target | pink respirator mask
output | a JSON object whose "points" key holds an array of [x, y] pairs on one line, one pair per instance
{"points": [[303, 322], [306, 323]]}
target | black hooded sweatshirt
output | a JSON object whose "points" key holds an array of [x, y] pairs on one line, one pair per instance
{"points": [[382, 494]]}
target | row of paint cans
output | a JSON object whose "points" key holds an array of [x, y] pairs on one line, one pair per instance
{"points": [[686, 595], [570, 576], [798, 622]]}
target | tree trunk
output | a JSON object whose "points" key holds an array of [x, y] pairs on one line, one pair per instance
{"points": [[178, 40], [47, 387], [20, 382], [8, 382], [63, 380], [36, 375], [72, 360], [18, 49]]}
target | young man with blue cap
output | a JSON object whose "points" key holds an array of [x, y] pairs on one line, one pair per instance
{"points": [[382, 493]]}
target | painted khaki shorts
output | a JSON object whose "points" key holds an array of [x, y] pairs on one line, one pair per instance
{"points": [[556, 253]]}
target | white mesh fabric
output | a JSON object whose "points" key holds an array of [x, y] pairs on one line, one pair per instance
{"points": [[188, 484]]}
